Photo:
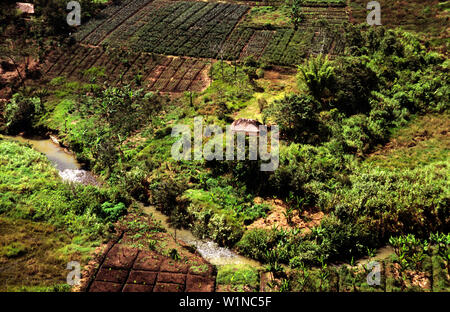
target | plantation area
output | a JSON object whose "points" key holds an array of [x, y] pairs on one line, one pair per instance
{"points": [[363, 115], [426, 18]]}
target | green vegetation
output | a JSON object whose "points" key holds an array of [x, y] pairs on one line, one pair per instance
{"points": [[31, 189], [238, 278], [364, 121]]}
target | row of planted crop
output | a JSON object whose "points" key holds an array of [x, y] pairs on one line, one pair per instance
{"points": [[124, 32], [199, 31], [114, 21], [93, 24]]}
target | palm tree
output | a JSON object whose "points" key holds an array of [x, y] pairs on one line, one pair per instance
{"points": [[318, 75]]}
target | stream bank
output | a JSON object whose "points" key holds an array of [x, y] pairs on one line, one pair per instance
{"points": [[70, 170]]}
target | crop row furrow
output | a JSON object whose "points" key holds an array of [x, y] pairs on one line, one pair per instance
{"points": [[102, 31]]}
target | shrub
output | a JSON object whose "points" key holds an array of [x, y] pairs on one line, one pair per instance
{"points": [[21, 112], [112, 212], [297, 117], [254, 244], [238, 275], [353, 85], [318, 75], [165, 193]]}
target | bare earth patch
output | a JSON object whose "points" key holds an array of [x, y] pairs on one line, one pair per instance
{"points": [[129, 264], [277, 217]]}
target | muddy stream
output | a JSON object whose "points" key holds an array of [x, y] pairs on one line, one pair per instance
{"points": [[70, 171]]}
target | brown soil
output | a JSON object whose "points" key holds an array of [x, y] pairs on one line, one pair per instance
{"points": [[276, 217], [126, 265], [413, 278], [9, 76]]}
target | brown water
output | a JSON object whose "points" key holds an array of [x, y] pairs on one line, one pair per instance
{"points": [[55, 153], [69, 170], [381, 254], [209, 250]]}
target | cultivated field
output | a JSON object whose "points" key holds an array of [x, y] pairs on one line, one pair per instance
{"points": [[428, 17], [153, 72], [167, 45]]}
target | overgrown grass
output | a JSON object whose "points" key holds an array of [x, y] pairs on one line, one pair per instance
{"points": [[30, 256], [32, 189], [238, 277], [425, 140]]}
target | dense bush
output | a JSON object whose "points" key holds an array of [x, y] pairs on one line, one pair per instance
{"points": [[21, 112], [354, 82], [318, 75], [306, 171], [392, 202], [31, 189], [297, 117]]}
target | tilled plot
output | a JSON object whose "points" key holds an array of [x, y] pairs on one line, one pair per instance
{"points": [[319, 32], [126, 269], [150, 71]]}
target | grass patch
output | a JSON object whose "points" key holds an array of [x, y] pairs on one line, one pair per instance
{"points": [[238, 277], [30, 257], [425, 140]]}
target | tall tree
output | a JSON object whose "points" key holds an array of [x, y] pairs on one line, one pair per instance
{"points": [[296, 13]]}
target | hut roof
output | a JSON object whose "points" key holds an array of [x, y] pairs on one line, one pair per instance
{"points": [[245, 125], [25, 7]]}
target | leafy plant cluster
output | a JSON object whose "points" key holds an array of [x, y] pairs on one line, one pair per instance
{"points": [[348, 107], [31, 189]]}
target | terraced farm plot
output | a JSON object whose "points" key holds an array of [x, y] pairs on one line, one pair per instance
{"points": [[152, 72], [213, 30], [164, 27], [333, 15], [126, 269], [97, 30], [189, 28], [418, 15], [108, 13], [318, 33], [130, 43], [428, 18], [289, 47]]}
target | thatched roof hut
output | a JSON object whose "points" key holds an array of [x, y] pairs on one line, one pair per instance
{"points": [[27, 8], [249, 126]]}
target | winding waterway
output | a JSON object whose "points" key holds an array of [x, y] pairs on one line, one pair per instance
{"points": [[70, 170]]}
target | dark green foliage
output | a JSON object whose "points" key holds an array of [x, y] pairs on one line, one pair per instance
{"points": [[305, 171], [318, 75], [297, 117], [354, 82], [21, 112], [255, 244], [166, 192], [296, 13], [109, 117]]}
